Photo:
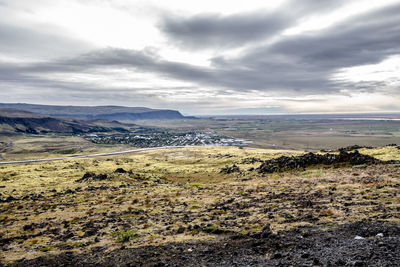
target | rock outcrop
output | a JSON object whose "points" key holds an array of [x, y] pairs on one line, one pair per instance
{"points": [[294, 163]]}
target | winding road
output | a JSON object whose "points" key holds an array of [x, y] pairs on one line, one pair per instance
{"points": [[96, 155]]}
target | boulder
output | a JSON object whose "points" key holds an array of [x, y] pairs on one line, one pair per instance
{"points": [[230, 169]]}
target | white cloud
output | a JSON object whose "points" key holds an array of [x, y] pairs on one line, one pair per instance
{"points": [[387, 71], [303, 64], [320, 21], [358, 102]]}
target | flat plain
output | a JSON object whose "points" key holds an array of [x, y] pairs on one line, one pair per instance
{"points": [[298, 132]]}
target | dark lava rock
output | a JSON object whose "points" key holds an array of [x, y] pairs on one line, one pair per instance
{"points": [[180, 230], [305, 255], [264, 233], [88, 175], [331, 247], [69, 191], [267, 229], [392, 145], [102, 176], [8, 199], [67, 235], [300, 162], [28, 227], [276, 256], [121, 170], [90, 232], [366, 229], [36, 197], [139, 177], [316, 262], [358, 264], [251, 160], [91, 176], [354, 147], [230, 169]]}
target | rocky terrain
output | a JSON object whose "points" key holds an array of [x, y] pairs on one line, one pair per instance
{"points": [[355, 244], [310, 159], [177, 207]]}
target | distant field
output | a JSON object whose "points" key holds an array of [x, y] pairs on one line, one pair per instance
{"points": [[37, 146], [310, 134], [295, 133]]}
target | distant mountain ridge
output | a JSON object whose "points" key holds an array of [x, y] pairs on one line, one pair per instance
{"points": [[15, 113], [119, 113], [14, 121]]}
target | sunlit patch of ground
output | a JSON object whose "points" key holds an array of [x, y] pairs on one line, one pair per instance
{"points": [[383, 153]]}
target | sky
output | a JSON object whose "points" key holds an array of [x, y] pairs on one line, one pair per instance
{"points": [[203, 57]]}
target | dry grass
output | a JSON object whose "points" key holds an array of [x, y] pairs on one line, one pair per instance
{"points": [[32, 147], [176, 195], [383, 153]]}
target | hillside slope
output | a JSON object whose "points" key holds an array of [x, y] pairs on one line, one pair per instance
{"points": [[16, 121], [98, 112], [180, 207]]}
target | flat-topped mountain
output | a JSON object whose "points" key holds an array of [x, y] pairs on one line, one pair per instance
{"points": [[15, 113], [119, 113], [14, 121]]}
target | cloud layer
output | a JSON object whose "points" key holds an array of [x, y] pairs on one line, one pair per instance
{"points": [[253, 61]]}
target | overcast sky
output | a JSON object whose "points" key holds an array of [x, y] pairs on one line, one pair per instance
{"points": [[203, 57]]}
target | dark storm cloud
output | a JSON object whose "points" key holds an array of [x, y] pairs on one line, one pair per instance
{"points": [[139, 61], [215, 30], [361, 40], [306, 62]]}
